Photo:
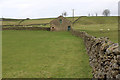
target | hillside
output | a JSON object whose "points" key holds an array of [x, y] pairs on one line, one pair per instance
{"points": [[98, 20], [30, 21], [25, 21], [99, 26]]}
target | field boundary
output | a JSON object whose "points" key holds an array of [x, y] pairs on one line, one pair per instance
{"points": [[27, 28], [25, 25], [104, 55], [77, 19]]}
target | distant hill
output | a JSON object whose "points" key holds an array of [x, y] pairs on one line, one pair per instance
{"points": [[97, 20], [77, 20], [8, 21]]}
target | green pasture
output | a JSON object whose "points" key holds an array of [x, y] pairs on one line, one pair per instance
{"points": [[36, 21], [99, 26], [26, 21], [43, 54], [32, 21]]}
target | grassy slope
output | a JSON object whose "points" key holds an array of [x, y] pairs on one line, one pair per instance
{"points": [[92, 25], [36, 21], [71, 19], [10, 22], [32, 21], [44, 54], [27, 22]]}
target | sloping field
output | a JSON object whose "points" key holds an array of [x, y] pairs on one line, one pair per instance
{"points": [[96, 26], [99, 26], [31, 21], [26, 22], [36, 21], [42, 54], [98, 20]]}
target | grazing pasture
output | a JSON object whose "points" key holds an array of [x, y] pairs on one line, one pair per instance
{"points": [[43, 54], [31, 21], [36, 21], [96, 26], [99, 26], [25, 21]]}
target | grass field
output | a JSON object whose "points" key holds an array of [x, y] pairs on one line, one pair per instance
{"points": [[32, 21], [96, 26], [43, 54], [36, 21], [99, 26], [26, 22]]}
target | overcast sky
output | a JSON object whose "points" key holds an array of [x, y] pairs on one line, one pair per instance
{"points": [[54, 8]]}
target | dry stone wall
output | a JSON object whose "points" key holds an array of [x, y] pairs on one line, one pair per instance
{"points": [[104, 55], [27, 28]]}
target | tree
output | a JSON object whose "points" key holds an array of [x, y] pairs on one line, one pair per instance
{"points": [[65, 14], [27, 18], [106, 12]]}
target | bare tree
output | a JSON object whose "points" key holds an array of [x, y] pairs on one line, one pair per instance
{"points": [[65, 14], [106, 12], [27, 18]]}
